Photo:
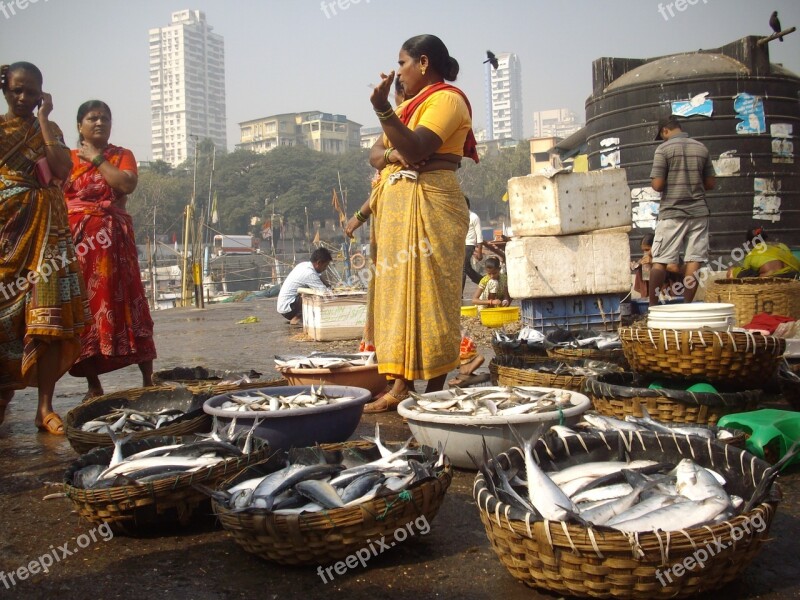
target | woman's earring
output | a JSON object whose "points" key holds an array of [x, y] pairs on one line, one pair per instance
{"points": [[422, 70]]}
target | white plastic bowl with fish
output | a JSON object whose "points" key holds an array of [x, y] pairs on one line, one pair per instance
{"points": [[463, 434]]}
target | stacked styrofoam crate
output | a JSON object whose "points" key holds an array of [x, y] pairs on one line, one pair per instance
{"points": [[570, 256]]}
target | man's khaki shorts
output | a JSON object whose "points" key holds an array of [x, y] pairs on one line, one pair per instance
{"points": [[675, 235]]}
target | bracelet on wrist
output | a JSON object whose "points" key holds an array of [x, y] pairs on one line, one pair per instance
{"points": [[360, 216], [98, 160], [386, 154], [52, 143]]}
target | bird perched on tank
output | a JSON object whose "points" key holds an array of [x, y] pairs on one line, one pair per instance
{"points": [[775, 24], [491, 59]]}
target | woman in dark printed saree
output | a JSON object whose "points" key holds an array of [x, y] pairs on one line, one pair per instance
{"points": [[121, 332], [42, 299], [420, 221]]}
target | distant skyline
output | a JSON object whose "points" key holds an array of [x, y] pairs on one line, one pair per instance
{"points": [[304, 55]]}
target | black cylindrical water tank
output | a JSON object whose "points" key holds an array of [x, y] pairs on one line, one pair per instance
{"points": [[630, 95]]}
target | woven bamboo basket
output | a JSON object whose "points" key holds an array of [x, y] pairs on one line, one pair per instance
{"points": [[789, 378], [753, 295], [320, 538], [200, 375], [726, 357], [520, 350], [532, 377], [622, 394], [172, 501], [601, 562], [189, 399], [616, 355]]}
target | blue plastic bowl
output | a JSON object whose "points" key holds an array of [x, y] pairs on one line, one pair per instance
{"points": [[301, 427]]}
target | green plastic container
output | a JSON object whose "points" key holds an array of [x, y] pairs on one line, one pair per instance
{"points": [[764, 426]]}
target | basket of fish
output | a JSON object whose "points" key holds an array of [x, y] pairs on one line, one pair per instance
{"points": [[158, 411], [637, 515], [354, 370], [735, 357], [586, 345], [293, 416], [151, 483], [553, 373], [622, 394], [461, 420], [313, 506]]}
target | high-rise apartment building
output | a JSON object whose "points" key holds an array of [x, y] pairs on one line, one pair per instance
{"points": [[504, 116], [324, 132], [187, 87], [560, 123]]}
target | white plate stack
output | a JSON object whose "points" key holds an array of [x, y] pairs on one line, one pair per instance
{"points": [[697, 315]]}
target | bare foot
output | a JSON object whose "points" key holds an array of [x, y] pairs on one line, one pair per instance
{"points": [[5, 398], [470, 367], [295, 321], [92, 393]]}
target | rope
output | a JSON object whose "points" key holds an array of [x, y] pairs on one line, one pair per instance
{"points": [[405, 496]]}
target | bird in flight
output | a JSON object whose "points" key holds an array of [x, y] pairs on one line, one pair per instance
{"points": [[775, 23], [491, 59]]}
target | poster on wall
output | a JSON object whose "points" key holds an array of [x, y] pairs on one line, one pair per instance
{"points": [[697, 105], [609, 158], [727, 165], [766, 201], [644, 207], [782, 145], [750, 112]]}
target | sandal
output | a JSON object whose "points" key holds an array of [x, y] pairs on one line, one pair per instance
{"points": [[385, 403], [53, 424]]}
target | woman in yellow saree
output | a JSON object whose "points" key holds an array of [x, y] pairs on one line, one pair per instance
{"points": [[420, 221], [42, 298], [766, 259]]}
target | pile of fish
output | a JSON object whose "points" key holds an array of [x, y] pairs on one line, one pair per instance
{"points": [[160, 462], [315, 480], [635, 496], [646, 423], [325, 360], [256, 400], [493, 401], [587, 339], [127, 420], [584, 368]]}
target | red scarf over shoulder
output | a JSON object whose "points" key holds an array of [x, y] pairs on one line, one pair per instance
{"points": [[470, 144]]}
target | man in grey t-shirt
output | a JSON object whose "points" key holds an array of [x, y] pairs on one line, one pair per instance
{"points": [[682, 172]]}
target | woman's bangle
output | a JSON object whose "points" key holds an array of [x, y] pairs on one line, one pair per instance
{"points": [[387, 153], [386, 114], [361, 218], [52, 143], [98, 160]]}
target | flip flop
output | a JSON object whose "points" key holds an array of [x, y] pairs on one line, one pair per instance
{"points": [[385, 403], [53, 424]]}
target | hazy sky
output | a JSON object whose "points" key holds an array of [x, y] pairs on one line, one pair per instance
{"points": [[289, 55]]}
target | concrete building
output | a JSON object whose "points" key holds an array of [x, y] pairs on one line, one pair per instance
{"points": [[370, 135], [559, 122], [541, 151], [503, 87], [187, 87], [324, 132]]}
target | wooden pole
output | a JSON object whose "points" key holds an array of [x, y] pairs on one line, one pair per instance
{"points": [[775, 36]]}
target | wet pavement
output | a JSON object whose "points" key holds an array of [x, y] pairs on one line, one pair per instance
{"points": [[453, 560]]}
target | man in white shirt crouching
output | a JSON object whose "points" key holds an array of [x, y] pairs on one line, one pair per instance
{"points": [[305, 274]]}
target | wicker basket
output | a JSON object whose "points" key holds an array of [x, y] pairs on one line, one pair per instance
{"points": [[616, 355], [601, 562], [200, 375], [750, 296], [172, 501], [789, 378], [189, 399], [320, 538], [533, 377], [621, 394], [744, 359]]}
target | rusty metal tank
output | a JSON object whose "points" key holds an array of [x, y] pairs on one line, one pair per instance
{"points": [[751, 134]]}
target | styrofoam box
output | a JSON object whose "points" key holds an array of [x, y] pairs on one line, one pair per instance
{"points": [[333, 316], [568, 265], [569, 203]]}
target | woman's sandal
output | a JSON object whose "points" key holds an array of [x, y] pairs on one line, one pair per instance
{"points": [[385, 403], [53, 424]]}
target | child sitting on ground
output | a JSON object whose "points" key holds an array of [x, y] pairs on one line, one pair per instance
{"points": [[493, 288]]}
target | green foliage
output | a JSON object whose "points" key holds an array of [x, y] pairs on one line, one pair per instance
{"points": [[286, 181]]}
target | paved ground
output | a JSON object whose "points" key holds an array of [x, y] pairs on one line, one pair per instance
{"points": [[453, 560]]}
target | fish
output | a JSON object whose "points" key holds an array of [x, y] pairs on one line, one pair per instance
{"points": [[492, 401], [604, 423], [643, 507], [126, 420], [677, 516], [322, 360], [599, 515], [321, 492], [697, 483], [360, 486]]}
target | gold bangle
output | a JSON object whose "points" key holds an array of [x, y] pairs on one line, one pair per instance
{"points": [[386, 155], [52, 143]]}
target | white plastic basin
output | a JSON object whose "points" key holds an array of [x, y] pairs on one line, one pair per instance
{"points": [[461, 434]]}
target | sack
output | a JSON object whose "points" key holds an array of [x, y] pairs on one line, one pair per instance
{"points": [[42, 171]]}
